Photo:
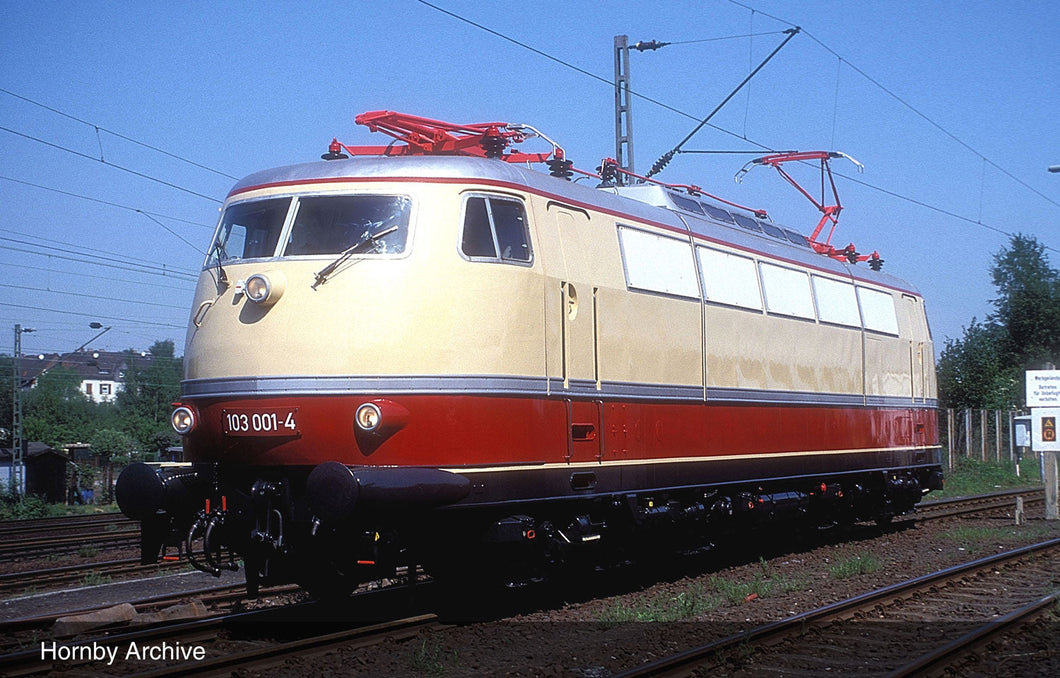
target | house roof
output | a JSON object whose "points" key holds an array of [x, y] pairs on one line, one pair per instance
{"points": [[87, 364], [33, 449]]}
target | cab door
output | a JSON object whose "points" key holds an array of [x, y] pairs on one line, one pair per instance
{"points": [[918, 347], [572, 319]]}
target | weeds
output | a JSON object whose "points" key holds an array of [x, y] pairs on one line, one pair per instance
{"points": [[701, 598], [94, 578], [430, 657], [862, 563], [87, 551], [664, 608]]}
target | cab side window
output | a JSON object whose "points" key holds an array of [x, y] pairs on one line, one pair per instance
{"points": [[495, 229]]}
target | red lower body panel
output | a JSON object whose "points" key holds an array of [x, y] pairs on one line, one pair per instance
{"points": [[454, 431]]}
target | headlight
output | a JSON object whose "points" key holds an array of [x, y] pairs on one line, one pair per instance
{"points": [[369, 417], [265, 289], [380, 417], [183, 420]]}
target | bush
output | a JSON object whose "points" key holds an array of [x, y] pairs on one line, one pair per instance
{"points": [[30, 507]]}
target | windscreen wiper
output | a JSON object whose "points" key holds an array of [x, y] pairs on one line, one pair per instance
{"points": [[219, 249], [367, 238]]}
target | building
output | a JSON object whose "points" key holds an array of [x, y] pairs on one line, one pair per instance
{"points": [[45, 471], [102, 373]]}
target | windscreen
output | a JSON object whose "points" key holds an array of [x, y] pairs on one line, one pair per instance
{"points": [[249, 230], [334, 224]]}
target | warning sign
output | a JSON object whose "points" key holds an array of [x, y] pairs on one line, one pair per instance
{"points": [[1043, 388], [1043, 429]]}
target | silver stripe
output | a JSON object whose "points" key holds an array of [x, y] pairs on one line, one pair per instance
{"points": [[523, 386]]}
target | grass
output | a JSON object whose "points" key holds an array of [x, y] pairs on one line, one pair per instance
{"points": [[763, 584], [862, 563], [974, 539], [35, 507], [664, 608], [87, 551], [971, 477], [700, 598], [94, 579], [429, 657]]}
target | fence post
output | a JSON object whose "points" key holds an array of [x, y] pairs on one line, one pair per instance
{"points": [[968, 432], [997, 434], [951, 436], [1012, 437], [982, 435]]}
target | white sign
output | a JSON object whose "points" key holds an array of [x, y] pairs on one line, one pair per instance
{"points": [[1043, 388], [1045, 424], [1023, 431]]}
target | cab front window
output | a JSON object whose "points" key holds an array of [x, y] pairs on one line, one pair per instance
{"points": [[249, 230], [367, 224]]}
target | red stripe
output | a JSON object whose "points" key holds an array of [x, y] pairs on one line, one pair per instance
{"points": [[448, 431]]}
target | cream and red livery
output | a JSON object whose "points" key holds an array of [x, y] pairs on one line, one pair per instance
{"points": [[433, 355]]}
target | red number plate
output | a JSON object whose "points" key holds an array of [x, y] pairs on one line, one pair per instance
{"points": [[278, 421]]}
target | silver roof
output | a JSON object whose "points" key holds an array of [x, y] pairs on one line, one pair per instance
{"points": [[654, 204]]}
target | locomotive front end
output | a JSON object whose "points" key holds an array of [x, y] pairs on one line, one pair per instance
{"points": [[301, 305]]}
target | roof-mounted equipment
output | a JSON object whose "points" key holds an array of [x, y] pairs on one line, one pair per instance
{"points": [[829, 213], [423, 136], [609, 170]]}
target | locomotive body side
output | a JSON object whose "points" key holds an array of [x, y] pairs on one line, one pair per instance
{"points": [[513, 363]]}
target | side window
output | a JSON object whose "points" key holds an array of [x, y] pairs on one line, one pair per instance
{"points": [[877, 308], [729, 279], [658, 263], [836, 302], [787, 291], [496, 228]]}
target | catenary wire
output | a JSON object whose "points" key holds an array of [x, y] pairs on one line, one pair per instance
{"points": [[119, 259], [37, 240], [98, 128], [96, 316], [104, 202], [760, 145], [109, 164], [92, 296], [908, 105]]}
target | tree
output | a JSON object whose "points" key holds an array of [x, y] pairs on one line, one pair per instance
{"points": [[984, 368], [146, 400], [1028, 304], [112, 447], [55, 411]]}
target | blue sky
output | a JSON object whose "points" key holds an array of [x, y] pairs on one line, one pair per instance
{"points": [[238, 87]]}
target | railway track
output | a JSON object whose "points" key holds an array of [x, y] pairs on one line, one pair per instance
{"points": [[218, 597], [901, 630], [104, 571], [53, 536], [40, 526], [316, 627], [945, 508]]}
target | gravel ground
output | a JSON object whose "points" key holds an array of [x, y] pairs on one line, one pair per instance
{"points": [[613, 621], [599, 629]]}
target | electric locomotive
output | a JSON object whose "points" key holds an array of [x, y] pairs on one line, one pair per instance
{"points": [[430, 354]]}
